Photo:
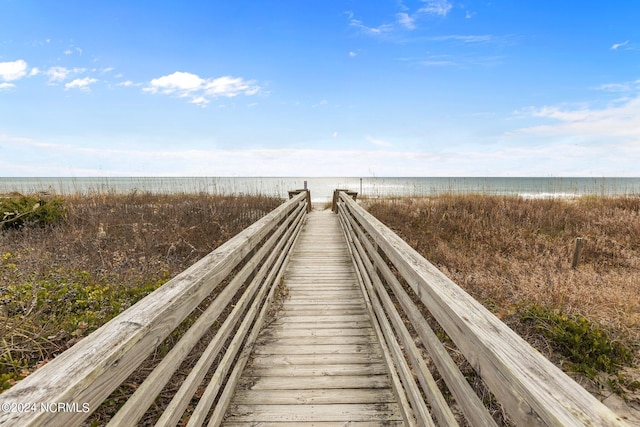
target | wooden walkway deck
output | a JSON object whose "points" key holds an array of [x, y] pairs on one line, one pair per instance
{"points": [[319, 360]]}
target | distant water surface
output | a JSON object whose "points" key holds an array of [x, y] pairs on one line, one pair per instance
{"points": [[322, 188]]}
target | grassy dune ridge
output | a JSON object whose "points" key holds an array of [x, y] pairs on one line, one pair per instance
{"points": [[66, 272], [514, 255]]}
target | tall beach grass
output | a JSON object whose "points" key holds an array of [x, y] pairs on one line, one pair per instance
{"points": [[515, 256]]}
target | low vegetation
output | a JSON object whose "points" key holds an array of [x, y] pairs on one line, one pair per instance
{"points": [[515, 256], [18, 210], [69, 264]]}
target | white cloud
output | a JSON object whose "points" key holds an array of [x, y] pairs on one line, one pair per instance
{"points": [[82, 84], [438, 7], [616, 120], [34, 72], [126, 83], [6, 86], [176, 82], [352, 54], [535, 158], [616, 46], [71, 49], [189, 85], [379, 30], [13, 70], [231, 86], [406, 20], [466, 39], [378, 142], [200, 101], [59, 74], [620, 87]]}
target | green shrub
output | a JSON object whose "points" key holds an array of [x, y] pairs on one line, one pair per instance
{"points": [[587, 346], [18, 210]]}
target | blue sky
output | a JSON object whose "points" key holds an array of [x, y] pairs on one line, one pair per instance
{"points": [[319, 88]]}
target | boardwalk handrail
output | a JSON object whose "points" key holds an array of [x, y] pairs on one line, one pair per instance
{"points": [[238, 277], [532, 390]]}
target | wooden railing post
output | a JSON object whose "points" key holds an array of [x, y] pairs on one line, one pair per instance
{"points": [[293, 193], [336, 197]]}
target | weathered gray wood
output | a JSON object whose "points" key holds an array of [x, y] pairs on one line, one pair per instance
{"points": [[380, 298], [318, 341], [532, 389], [318, 424], [321, 348], [407, 414], [185, 393], [317, 413], [93, 368], [317, 382], [423, 417], [139, 402], [315, 359], [343, 369], [314, 396], [268, 287], [282, 332]]}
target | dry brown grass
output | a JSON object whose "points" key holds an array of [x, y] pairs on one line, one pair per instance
{"points": [[510, 251], [60, 282], [514, 255]]}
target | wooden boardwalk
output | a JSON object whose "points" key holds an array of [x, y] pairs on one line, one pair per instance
{"points": [[337, 353], [319, 360]]}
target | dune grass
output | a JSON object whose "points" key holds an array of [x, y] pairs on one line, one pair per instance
{"points": [[95, 256], [515, 256]]}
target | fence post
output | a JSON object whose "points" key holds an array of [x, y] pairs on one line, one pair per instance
{"points": [[576, 252]]}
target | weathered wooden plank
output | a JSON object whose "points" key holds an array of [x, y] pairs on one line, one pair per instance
{"points": [[316, 413], [317, 302], [318, 359], [323, 325], [316, 382], [340, 318], [314, 396], [316, 424], [316, 341], [321, 310], [315, 370], [271, 348], [283, 332]]}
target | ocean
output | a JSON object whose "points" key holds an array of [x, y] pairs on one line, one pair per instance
{"points": [[322, 188]]}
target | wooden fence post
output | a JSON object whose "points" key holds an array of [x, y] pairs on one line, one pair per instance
{"points": [[576, 252]]}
